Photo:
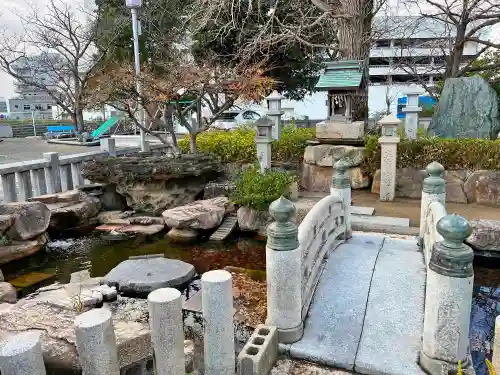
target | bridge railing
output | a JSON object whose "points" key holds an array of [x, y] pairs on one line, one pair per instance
{"points": [[54, 173], [449, 282], [296, 256]]}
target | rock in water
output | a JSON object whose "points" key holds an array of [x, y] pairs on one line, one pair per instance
{"points": [[485, 235], [30, 219], [468, 108], [205, 214], [142, 276], [154, 184]]}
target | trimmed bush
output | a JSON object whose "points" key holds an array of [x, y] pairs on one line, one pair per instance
{"points": [[239, 145], [259, 190], [453, 154]]}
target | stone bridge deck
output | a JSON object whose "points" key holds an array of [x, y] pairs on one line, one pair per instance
{"points": [[368, 309]]}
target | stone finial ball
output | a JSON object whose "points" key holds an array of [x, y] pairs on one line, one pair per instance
{"points": [[435, 169], [454, 228], [282, 210], [341, 164]]}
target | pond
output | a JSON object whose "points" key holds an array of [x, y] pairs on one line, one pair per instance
{"points": [[99, 256]]}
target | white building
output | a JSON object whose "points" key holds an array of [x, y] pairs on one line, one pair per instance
{"points": [[30, 100]]}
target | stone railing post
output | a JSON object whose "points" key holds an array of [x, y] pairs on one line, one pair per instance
{"points": [[9, 187], [412, 110], [217, 305], [433, 189], [389, 149], [21, 354], [341, 186], [53, 172], [96, 343], [167, 334], [108, 145], [284, 273], [448, 298]]}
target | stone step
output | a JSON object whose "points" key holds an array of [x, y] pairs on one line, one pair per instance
{"points": [[381, 220], [225, 229], [360, 210]]}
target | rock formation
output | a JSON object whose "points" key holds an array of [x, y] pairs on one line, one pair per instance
{"points": [[153, 184], [468, 108]]}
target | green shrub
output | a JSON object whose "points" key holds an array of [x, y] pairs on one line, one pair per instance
{"points": [[239, 145], [259, 190], [453, 154]]}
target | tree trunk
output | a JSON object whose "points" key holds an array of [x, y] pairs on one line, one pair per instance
{"points": [[80, 124], [192, 143], [354, 38], [169, 125], [458, 50]]}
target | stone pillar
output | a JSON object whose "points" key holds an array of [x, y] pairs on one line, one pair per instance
{"points": [[284, 273], [496, 345], [389, 148], [341, 186], [167, 334], [53, 172], [412, 110], [448, 298], [96, 343], [109, 145], [217, 305], [21, 354], [9, 187], [263, 140], [274, 113], [434, 189]]}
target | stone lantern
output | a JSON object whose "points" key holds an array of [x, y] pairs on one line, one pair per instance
{"points": [[389, 146], [274, 112], [263, 140]]}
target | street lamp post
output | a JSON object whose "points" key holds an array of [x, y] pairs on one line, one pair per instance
{"points": [[134, 5]]}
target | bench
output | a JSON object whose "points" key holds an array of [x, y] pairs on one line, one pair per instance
{"points": [[58, 130]]}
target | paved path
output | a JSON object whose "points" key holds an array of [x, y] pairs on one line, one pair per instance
{"points": [[367, 312]]}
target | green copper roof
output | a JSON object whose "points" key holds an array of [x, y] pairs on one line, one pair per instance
{"points": [[341, 74]]}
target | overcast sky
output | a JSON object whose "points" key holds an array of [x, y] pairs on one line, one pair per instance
{"points": [[9, 21]]}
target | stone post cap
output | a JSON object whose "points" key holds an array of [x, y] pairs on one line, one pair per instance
{"points": [[340, 180], [434, 183], [454, 229], [19, 343], [282, 235], [275, 95], [451, 257], [390, 119]]}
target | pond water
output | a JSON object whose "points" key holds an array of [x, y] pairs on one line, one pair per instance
{"points": [[99, 256]]}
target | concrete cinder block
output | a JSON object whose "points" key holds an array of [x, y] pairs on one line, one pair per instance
{"points": [[260, 352]]}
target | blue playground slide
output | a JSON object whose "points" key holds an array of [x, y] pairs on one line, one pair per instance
{"points": [[105, 127]]}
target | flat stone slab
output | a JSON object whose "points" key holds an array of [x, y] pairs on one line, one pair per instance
{"points": [[142, 276], [335, 320], [381, 220], [392, 332], [359, 210]]}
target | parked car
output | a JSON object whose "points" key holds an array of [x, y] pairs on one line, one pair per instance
{"points": [[234, 118]]}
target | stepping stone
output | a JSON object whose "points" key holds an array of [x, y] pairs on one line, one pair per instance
{"points": [[359, 210], [142, 276], [142, 229], [109, 227], [225, 229], [30, 279]]}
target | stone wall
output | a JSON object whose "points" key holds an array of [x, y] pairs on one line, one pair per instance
{"points": [[462, 186]]}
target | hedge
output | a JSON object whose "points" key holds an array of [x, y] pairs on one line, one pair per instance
{"points": [[239, 145], [453, 154]]}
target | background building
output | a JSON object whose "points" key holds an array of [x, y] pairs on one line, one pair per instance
{"points": [[32, 101]]}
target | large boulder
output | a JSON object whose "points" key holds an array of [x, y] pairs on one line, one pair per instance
{"points": [[29, 219], [21, 249], [328, 155], [485, 235], [206, 214], [316, 178], [153, 184], [483, 187], [7, 293], [468, 108], [74, 214], [252, 220]]}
